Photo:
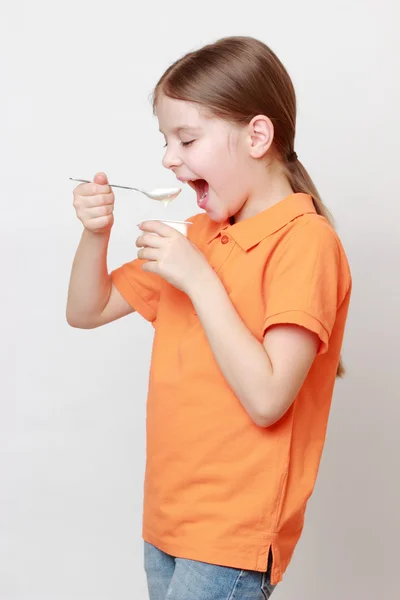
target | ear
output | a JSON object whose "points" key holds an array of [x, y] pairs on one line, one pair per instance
{"points": [[261, 135]]}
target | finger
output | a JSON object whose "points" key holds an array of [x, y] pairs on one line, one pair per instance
{"points": [[92, 189], [150, 266], [99, 211], [100, 200], [100, 223], [100, 178], [152, 241], [149, 254], [160, 228]]}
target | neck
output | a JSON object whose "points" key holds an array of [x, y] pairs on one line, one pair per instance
{"points": [[269, 186]]}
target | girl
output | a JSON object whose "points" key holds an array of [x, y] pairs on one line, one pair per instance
{"points": [[249, 313]]}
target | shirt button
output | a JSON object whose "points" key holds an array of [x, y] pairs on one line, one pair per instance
{"points": [[224, 239]]}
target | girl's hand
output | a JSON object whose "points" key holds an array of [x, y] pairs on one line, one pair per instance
{"points": [[94, 204], [172, 256]]}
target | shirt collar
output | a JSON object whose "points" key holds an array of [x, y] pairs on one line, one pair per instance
{"points": [[252, 231]]}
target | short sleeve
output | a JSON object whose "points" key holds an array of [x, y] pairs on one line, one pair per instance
{"points": [[302, 281], [140, 289]]}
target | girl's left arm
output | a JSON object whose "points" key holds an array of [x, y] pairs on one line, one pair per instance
{"points": [[266, 377]]}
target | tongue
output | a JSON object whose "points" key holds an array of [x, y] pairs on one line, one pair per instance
{"points": [[201, 189]]}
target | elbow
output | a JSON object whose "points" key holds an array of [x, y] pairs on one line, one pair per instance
{"points": [[263, 420], [267, 416], [77, 323]]}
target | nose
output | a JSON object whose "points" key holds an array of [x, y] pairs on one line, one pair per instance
{"points": [[171, 159]]}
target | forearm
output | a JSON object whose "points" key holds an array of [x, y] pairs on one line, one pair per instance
{"points": [[90, 283], [241, 357]]}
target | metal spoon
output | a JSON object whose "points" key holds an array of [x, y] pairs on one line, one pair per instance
{"points": [[158, 194]]}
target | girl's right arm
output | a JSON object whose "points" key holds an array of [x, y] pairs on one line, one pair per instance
{"points": [[92, 298]]}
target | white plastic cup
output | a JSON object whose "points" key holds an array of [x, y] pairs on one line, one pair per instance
{"points": [[181, 226]]}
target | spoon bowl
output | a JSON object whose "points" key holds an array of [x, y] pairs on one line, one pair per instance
{"points": [[164, 194]]}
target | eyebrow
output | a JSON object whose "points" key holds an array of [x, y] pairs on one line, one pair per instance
{"points": [[182, 128]]}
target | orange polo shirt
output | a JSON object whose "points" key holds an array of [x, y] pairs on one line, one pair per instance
{"points": [[218, 488]]}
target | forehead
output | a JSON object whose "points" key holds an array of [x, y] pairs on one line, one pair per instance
{"points": [[173, 114]]}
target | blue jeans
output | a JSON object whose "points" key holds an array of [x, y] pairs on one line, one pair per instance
{"points": [[170, 578]]}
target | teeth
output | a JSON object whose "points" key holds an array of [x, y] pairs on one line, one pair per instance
{"points": [[204, 194]]}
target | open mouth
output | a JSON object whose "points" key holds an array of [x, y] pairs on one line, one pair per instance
{"points": [[201, 188]]}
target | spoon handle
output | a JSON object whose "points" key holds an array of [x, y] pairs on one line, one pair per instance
{"points": [[110, 184]]}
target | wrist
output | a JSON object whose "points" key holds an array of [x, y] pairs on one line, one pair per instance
{"points": [[203, 284], [96, 235]]}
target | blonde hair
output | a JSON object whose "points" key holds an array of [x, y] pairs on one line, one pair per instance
{"points": [[237, 78]]}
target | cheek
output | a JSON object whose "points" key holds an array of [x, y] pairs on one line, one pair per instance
{"points": [[218, 163], [224, 163], [228, 173], [198, 159]]}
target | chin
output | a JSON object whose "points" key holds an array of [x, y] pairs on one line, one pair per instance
{"points": [[216, 217], [217, 210]]}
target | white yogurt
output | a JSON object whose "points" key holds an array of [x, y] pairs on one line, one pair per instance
{"points": [[165, 194]]}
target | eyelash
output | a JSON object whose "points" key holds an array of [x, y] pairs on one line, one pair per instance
{"points": [[184, 144]]}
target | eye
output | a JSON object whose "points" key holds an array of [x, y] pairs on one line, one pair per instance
{"points": [[184, 144]]}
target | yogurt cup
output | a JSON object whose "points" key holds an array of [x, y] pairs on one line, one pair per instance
{"points": [[181, 226]]}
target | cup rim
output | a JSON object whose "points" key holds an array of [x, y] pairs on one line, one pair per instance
{"points": [[170, 221]]}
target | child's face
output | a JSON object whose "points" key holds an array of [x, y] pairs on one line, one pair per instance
{"points": [[208, 153]]}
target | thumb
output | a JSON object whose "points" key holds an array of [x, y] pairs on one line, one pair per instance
{"points": [[100, 178]]}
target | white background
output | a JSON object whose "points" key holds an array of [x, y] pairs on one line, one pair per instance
{"points": [[75, 82]]}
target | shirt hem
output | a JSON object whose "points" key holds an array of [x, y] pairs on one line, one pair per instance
{"points": [[303, 319], [257, 561]]}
